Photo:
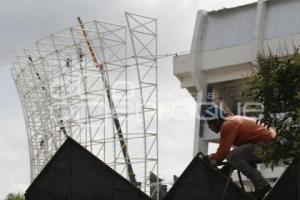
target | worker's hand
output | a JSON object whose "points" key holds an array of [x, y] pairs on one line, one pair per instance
{"points": [[213, 163], [206, 158]]}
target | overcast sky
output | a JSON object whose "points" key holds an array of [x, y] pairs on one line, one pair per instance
{"points": [[23, 22]]}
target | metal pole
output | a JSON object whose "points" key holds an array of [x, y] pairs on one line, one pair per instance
{"points": [[298, 178], [227, 185]]}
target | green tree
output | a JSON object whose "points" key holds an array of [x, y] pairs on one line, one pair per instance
{"points": [[277, 86], [15, 196]]}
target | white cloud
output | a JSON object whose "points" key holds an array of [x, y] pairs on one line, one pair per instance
{"points": [[185, 3], [17, 187], [153, 1], [14, 168]]}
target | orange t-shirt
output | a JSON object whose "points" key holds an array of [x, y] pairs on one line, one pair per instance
{"points": [[239, 130]]}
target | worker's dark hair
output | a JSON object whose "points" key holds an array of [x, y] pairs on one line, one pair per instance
{"points": [[214, 113]]}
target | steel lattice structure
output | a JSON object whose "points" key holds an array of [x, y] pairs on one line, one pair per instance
{"points": [[97, 85]]}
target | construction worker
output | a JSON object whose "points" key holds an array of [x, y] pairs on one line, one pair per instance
{"points": [[80, 54], [68, 62], [242, 133]]}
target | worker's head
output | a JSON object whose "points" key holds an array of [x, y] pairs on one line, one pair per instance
{"points": [[214, 117]]}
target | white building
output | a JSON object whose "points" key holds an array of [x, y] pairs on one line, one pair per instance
{"points": [[223, 52]]}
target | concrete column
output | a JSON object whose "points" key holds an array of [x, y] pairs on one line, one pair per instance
{"points": [[258, 33], [199, 79], [196, 48], [199, 144], [199, 32]]}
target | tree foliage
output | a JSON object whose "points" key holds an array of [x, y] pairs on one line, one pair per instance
{"points": [[15, 196], [277, 86]]}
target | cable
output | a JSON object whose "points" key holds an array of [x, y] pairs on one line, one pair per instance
{"points": [[172, 54]]}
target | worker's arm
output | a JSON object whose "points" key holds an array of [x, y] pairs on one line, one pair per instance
{"points": [[228, 135]]}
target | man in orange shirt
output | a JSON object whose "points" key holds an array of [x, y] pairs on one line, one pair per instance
{"points": [[243, 133]]}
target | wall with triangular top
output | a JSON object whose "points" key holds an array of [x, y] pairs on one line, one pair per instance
{"points": [[75, 174]]}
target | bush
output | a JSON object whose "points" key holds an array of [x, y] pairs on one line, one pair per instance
{"points": [[277, 86], [13, 196]]}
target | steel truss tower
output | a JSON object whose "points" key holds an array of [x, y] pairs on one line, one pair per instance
{"points": [[83, 81]]}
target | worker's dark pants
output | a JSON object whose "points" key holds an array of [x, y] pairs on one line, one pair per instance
{"points": [[241, 157]]}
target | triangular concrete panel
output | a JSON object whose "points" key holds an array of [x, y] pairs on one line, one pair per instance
{"points": [[287, 186], [201, 182], [75, 174]]}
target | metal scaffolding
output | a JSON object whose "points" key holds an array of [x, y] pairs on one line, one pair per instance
{"points": [[143, 35], [91, 83]]}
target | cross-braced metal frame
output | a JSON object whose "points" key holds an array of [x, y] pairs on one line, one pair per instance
{"points": [[143, 35], [86, 82]]}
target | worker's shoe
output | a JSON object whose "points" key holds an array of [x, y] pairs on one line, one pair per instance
{"points": [[260, 192]]}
